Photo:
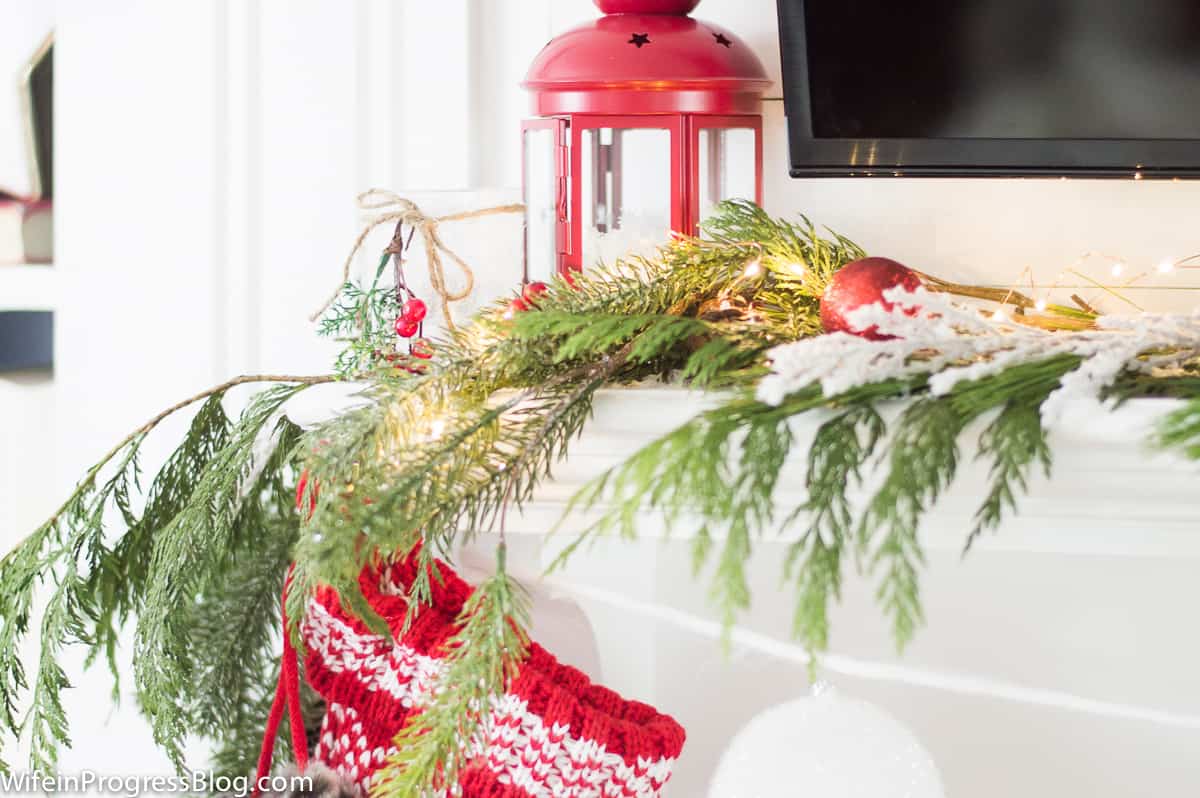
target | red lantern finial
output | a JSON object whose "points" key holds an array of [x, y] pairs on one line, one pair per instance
{"points": [[679, 8]]}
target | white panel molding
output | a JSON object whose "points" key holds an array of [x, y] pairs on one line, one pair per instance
{"points": [[308, 168], [138, 197], [435, 136], [504, 45], [380, 91], [237, 271]]}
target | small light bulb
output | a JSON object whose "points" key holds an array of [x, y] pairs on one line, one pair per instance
{"points": [[1137, 175], [1000, 315], [725, 304], [436, 429], [1166, 266], [753, 268], [1117, 269], [1040, 304], [797, 268]]}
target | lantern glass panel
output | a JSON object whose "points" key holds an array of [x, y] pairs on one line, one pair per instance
{"points": [[541, 195], [625, 190], [727, 166]]}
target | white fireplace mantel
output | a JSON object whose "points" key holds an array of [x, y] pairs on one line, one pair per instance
{"points": [[1109, 492]]}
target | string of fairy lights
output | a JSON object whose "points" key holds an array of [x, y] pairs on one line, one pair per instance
{"points": [[1111, 266]]}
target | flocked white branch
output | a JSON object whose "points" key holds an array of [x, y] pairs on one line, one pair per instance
{"points": [[951, 343]]}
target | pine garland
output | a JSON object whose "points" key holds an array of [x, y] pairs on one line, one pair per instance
{"points": [[439, 451]]}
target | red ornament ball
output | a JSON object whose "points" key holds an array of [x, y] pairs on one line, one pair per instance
{"points": [[863, 282], [533, 291], [407, 328], [413, 310]]}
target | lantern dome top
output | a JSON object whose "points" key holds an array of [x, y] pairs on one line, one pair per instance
{"points": [[647, 57]]}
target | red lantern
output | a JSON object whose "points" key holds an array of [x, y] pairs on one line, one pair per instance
{"points": [[646, 118]]}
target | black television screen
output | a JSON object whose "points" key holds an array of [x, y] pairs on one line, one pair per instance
{"points": [[1002, 87]]}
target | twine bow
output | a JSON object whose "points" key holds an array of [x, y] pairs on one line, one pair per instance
{"points": [[391, 207]]}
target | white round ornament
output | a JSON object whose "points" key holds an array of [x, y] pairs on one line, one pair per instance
{"points": [[826, 746]]}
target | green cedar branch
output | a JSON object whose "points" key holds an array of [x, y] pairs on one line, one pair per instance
{"points": [[90, 598]]}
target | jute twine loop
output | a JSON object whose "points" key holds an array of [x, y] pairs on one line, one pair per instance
{"points": [[391, 207]]}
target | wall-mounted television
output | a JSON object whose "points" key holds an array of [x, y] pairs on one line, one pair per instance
{"points": [[1104, 88]]}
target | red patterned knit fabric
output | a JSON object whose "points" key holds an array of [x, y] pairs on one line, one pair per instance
{"points": [[553, 735]]}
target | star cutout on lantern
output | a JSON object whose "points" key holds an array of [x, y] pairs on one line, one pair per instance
{"points": [[723, 40], [640, 40]]}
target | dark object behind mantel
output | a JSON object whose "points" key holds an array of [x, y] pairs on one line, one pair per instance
{"points": [[1091, 88], [26, 340]]}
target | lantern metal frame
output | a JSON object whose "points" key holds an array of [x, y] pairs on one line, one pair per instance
{"points": [[691, 76]]}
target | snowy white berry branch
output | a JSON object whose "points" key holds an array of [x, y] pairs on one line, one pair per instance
{"points": [[934, 336]]}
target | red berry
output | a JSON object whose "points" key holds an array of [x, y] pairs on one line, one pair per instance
{"points": [[413, 310], [863, 282], [422, 348], [518, 305], [406, 328], [533, 291]]}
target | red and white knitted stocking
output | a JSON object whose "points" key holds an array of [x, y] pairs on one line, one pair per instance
{"points": [[553, 735]]}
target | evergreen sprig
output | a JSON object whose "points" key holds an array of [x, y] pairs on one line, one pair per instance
{"points": [[119, 580], [1181, 430], [1015, 441], [839, 452], [363, 319], [187, 555], [922, 458], [797, 258], [59, 553], [482, 659]]}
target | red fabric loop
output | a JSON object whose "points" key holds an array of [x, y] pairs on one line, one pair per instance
{"points": [[287, 695]]}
